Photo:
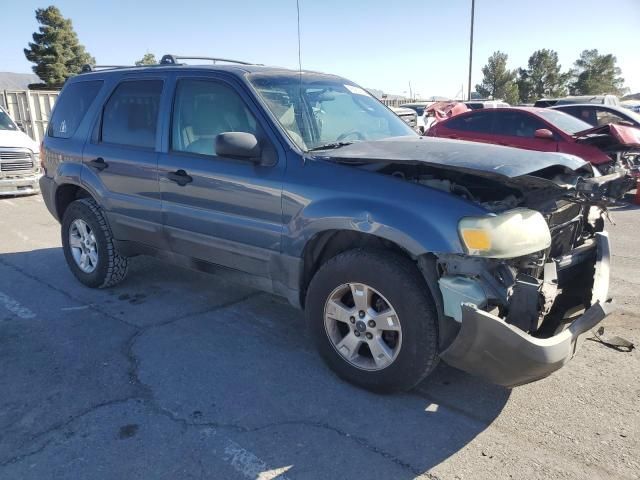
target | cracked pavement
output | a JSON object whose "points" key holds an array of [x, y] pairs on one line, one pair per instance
{"points": [[178, 374]]}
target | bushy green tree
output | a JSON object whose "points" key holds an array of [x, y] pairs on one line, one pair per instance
{"points": [[147, 59], [595, 74], [55, 49], [542, 77], [498, 82]]}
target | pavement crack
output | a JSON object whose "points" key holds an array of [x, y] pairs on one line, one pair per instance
{"points": [[354, 438], [55, 428]]}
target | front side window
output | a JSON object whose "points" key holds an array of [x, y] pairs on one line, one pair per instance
{"points": [[71, 107], [516, 124], [5, 121], [130, 117], [318, 110], [204, 109], [607, 116]]}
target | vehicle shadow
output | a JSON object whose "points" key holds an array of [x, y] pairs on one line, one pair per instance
{"points": [[238, 362]]}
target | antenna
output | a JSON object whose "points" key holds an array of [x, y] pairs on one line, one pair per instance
{"points": [[299, 49]]}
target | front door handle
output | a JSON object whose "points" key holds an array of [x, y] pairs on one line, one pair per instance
{"points": [[180, 177], [98, 163]]}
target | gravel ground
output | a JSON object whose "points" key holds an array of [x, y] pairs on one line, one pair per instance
{"points": [[176, 374]]}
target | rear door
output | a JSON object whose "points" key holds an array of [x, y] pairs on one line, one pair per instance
{"points": [[122, 159], [474, 126], [222, 210]]}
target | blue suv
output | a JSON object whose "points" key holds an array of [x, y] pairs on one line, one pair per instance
{"points": [[402, 250]]}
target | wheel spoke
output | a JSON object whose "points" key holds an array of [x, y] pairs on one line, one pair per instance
{"points": [[386, 320], [382, 354], [82, 228], [93, 256], [338, 311], [74, 241], [361, 296], [349, 345]]}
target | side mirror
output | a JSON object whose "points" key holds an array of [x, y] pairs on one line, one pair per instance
{"points": [[21, 127], [240, 145], [543, 133]]}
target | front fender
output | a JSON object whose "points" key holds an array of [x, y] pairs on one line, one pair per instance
{"points": [[417, 218]]}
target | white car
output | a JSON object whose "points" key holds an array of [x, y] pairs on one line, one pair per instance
{"points": [[424, 120], [19, 159], [408, 115]]}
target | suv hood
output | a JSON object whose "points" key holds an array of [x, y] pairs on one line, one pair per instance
{"points": [[17, 139], [481, 159], [610, 137]]}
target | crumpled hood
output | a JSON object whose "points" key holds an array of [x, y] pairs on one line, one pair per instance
{"points": [[17, 139], [610, 136], [492, 161]]}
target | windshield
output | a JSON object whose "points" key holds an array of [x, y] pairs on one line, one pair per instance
{"points": [[564, 121], [317, 110], [5, 122]]}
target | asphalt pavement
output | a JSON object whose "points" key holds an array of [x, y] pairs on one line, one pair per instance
{"points": [[180, 375]]}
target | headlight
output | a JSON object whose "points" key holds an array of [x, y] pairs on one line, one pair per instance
{"points": [[510, 234]]}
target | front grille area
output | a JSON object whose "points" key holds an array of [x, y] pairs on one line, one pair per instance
{"points": [[16, 161], [15, 156], [16, 166], [565, 213]]}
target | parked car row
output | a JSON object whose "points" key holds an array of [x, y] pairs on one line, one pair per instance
{"points": [[402, 249]]}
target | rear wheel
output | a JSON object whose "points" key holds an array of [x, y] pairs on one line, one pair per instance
{"points": [[373, 320], [88, 246]]}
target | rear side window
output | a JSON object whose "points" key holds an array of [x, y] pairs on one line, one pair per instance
{"points": [[479, 122], [71, 108], [130, 116]]}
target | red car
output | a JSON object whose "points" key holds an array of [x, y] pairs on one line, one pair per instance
{"points": [[547, 131]]}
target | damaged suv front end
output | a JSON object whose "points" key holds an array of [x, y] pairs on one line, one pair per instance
{"points": [[533, 273]]}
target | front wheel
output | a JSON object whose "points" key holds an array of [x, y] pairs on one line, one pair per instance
{"points": [[373, 320]]}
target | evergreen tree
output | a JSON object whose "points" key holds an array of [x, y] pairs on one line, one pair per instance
{"points": [[147, 59], [55, 49], [595, 74], [542, 78], [498, 83]]}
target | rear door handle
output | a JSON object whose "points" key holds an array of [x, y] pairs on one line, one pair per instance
{"points": [[180, 177], [98, 163]]}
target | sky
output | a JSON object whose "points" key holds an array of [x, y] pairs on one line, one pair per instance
{"points": [[385, 45]]}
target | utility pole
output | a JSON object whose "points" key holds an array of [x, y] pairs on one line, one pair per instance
{"points": [[473, 5]]}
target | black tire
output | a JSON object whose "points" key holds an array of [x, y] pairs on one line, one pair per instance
{"points": [[400, 282], [111, 267]]}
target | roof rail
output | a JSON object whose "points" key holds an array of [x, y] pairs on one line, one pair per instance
{"points": [[173, 60], [86, 68]]}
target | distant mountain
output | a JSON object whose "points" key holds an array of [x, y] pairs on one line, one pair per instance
{"points": [[17, 81]]}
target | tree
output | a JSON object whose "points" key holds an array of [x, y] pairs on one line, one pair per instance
{"points": [[542, 78], [147, 59], [498, 82], [595, 74], [55, 49]]}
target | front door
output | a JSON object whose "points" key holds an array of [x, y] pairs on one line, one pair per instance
{"points": [[222, 210], [123, 161]]}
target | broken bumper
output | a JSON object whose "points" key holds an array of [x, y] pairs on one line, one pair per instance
{"points": [[503, 354]]}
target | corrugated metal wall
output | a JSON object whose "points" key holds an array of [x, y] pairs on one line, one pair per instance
{"points": [[31, 109]]}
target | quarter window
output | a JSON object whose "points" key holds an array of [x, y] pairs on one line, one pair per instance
{"points": [[203, 110], [130, 117], [71, 107]]}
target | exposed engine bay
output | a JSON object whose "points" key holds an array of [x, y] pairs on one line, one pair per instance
{"points": [[540, 292]]}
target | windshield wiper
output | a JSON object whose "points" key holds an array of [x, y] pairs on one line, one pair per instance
{"points": [[329, 146]]}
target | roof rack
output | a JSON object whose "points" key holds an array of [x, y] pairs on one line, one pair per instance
{"points": [[173, 60], [86, 68]]}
